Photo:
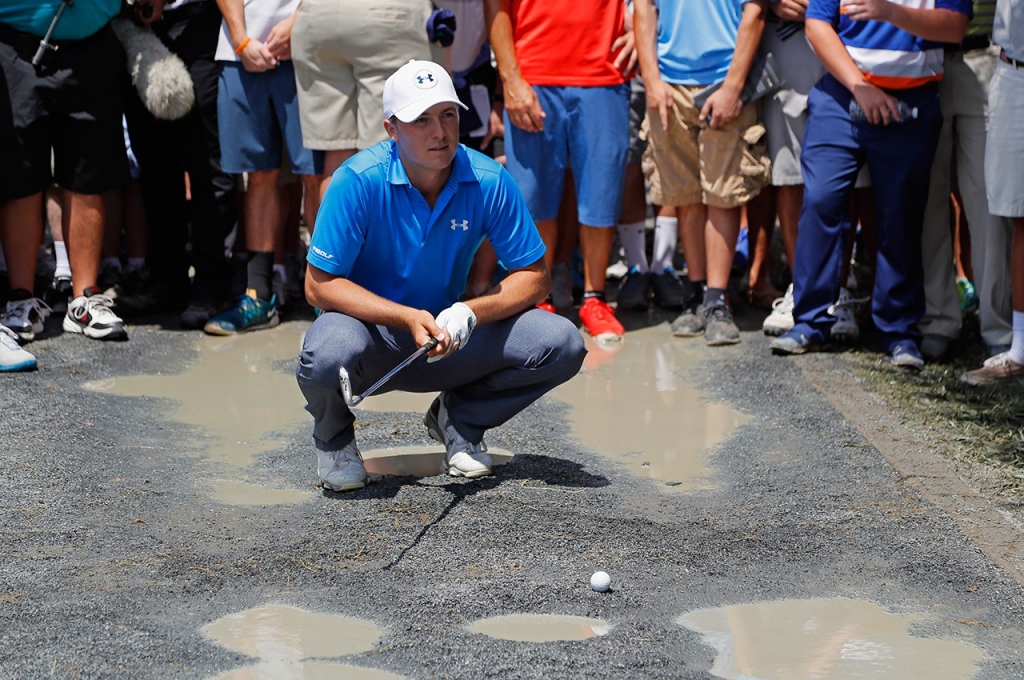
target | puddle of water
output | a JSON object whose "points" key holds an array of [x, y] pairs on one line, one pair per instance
{"points": [[417, 461], [233, 392], [398, 402], [825, 639], [281, 635], [631, 404], [306, 671], [237, 397], [240, 493], [539, 627]]}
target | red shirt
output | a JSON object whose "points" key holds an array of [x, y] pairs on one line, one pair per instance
{"points": [[567, 42]]}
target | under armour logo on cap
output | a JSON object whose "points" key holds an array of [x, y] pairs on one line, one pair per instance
{"points": [[416, 87], [425, 79]]}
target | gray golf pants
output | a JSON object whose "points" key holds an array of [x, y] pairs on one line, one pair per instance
{"points": [[505, 367]]}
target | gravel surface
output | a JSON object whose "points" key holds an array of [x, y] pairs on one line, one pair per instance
{"points": [[114, 555]]}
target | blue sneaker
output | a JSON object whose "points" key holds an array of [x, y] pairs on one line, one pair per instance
{"points": [[792, 342], [905, 354], [249, 314]]}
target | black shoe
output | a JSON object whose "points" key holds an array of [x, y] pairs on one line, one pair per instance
{"points": [[634, 291], [58, 295], [719, 328], [204, 306], [669, 291]]}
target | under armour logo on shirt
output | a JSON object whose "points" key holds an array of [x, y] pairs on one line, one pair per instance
{"points": [[464, 225]]}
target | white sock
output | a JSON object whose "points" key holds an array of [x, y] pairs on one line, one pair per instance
{"points": [[135, 263], [666, 238], [60, 253], [1017, 344], [633, 242]]}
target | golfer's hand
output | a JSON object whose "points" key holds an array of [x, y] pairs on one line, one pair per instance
{"points": [[458, 322], [257, 58], [790, 10], [879, 107], [723, 106], [522, 106], [422, 328]]}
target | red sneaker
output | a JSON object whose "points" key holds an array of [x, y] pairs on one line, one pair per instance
{"points": [[599, 320], [547, 306]]}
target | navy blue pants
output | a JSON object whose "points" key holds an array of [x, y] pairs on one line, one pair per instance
{"points": [[899, 157]]}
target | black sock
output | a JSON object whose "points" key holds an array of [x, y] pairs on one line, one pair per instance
{"points": [[260, 272], [696, 292], [20, 294], [599, 294], [714, 296]]}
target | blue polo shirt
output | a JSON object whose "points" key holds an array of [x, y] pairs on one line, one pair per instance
{"points": [[78, 21], [375, 229]]}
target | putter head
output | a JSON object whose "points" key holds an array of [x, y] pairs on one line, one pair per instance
{"points": [[346, 388]]}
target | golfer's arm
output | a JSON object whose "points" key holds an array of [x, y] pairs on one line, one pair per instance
{"points": [[521, 289], [337, 294], [234, 17]]}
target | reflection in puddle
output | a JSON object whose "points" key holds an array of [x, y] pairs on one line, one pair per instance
{"points": [[235, 394], [281, 637], [824, 639], [398, 402], [306, 671], [539, 627], [416, 461], [239, 493], [630, 403]]}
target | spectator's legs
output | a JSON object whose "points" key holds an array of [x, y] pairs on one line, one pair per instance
{"points": [[761, 225], [720, 234], [692, 229], [788, 202], [21, 234], [596, 245], [262, 226], [333, 159], [83, 232]]}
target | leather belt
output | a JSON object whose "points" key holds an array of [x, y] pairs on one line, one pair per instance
{"points": [[1016, 63], [971, 42]]}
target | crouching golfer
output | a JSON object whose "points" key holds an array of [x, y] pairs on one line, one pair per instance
{"points": [[392, 249]]}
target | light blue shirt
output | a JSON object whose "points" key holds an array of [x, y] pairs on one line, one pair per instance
{"points": [[375, 229], [1008, 31], [697, 39], [78, 21]]}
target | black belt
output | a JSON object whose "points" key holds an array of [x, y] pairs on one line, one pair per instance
{"points": [[971, 42], [1016, 63]]}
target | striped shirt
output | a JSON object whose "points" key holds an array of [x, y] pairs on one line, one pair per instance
{"points": [[984, 15], [888, 56]]}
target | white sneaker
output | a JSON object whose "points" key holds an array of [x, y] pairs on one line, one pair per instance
{"points": [[92, 317], [781, 318], [12, 356], [26, 317], [341, 470], [845, 329], [463, 459]]}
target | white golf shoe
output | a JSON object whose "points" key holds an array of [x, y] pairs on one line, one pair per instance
{"points": [[342, 470], [463, 459]]}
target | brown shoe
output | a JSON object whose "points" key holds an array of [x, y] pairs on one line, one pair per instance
{"points": [[996, 370]]}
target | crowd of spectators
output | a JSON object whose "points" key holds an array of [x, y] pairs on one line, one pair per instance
{"points": [[876, 121]]}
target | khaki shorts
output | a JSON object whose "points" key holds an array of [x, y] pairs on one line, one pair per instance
{"points": [[343, 51], [691, 163]]}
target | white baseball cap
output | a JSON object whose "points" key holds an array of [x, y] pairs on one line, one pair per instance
{"points": [[416, 87]]}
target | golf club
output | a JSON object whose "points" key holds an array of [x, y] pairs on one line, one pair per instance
{"points": [[346, 383]]}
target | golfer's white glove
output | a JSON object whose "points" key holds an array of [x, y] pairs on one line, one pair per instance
{"points": [[458, 321]]}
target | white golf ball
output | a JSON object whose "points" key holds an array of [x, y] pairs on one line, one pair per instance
{"points": [[600, 581]]}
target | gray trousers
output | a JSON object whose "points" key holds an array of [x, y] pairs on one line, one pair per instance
{"points": [[963, 94], [505, 367]]}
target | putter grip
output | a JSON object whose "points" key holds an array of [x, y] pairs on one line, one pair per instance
{"points": [[430, 344]]}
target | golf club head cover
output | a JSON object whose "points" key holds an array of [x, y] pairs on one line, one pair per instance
{"points": [[441, 27], [458, 321]]}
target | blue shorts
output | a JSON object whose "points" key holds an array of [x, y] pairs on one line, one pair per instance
{"points": [[586, 128], [255, 113]]}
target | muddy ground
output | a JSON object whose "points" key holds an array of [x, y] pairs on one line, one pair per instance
{"points": [[115, 553]]}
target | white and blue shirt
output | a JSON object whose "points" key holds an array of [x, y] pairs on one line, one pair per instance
{"points": [[377, 230], [888, 56]]}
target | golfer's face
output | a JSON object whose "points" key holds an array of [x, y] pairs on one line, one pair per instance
{"points": [[431, 140]]}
